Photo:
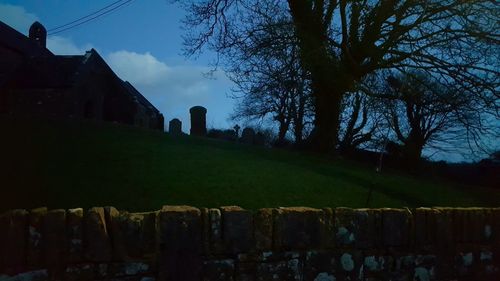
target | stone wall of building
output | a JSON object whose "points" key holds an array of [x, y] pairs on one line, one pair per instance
{"points": [[230, 243]]}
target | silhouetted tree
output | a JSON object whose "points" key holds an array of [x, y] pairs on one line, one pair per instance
{"points": [[421, 112], [361, 117], [342, 41], [276, 88], [270, 82]]}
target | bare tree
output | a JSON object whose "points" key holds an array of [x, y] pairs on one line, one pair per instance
{"points": [[270, 82], [425, 113], [359, 120], [342, 41]]}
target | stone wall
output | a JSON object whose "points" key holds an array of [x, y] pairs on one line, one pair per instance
{"points": [[230, 243]]}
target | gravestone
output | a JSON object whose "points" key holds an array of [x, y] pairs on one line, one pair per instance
{"points": [[248, 135], [237, 130], [198, 121], [260, 139], [175, 127]]}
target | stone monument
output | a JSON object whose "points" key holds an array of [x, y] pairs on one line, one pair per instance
{"points": [[175, 127], [198, 121], [248, 135]]}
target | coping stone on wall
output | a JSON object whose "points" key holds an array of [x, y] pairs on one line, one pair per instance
{"points": [[215, 231], [15, 240], [424, 223], [345, 227], [35, 236], [133, 235], [4, 226], [180, 243], [297, 228], [74, 220], [263, 229], [368, 228], [205, 226], [97, 245], [396, 227], [237, 229], [55, 238]]}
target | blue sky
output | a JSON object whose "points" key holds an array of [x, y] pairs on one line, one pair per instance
{"points": [[142, 42]]}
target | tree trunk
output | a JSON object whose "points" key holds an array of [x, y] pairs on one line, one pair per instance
{"points": [[316, 58], [412, 150], [326, 121], [283, 128], [298, 115]]}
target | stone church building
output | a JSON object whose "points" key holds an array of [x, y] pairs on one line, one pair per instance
{"points": [[35, 82]]}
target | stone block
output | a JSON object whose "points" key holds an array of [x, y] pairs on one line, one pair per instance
{"points": [[148, 234], [425, 229], [16, 238], [349, 265], [97, 246], [344, 227], [4, 226], [35, 237], [215, 231], [237, 229], [319, 263], [246, 271], [55, 238], [328, 229], [445, 236], [358, 228], [218, 270], [133, 234], [289, 270], [74, 229], [469, 224], [80, 272], [34, 275], [180, 243], [205, 227], [367, 228], [396, 227], [493, 231], [263, 229], [114, 223], [133, 268], [373, 264], [298, 228]]}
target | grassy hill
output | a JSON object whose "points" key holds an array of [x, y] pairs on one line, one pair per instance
{"points": [[62, 165]]}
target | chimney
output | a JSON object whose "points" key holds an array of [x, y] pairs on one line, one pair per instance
{"points": [[38, 33]]}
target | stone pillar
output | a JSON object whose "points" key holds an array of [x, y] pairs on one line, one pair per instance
{"points": [[198, 121], [175, 127], [161, 123], [248, 136]]}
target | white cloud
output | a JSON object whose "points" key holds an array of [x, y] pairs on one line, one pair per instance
{"points": [[17, 17], [173, 89], [65, 46], [142, 69]]}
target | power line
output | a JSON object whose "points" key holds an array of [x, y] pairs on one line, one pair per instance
{"points": [[88, 17], [84, 17]]}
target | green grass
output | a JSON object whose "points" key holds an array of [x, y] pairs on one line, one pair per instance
{"points": [[64, 165]]}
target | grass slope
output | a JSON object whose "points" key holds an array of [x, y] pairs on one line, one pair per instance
{"points": [[63, 165]]}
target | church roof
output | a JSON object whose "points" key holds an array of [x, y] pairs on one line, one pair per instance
{"points": [[41, 69], [19, 43], [52, 72], [139, 97]]}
